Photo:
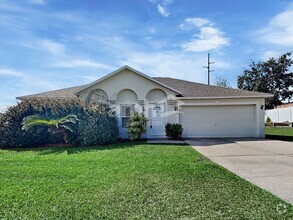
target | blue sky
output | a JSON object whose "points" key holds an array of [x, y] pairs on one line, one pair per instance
{"points": [[52, 44]]}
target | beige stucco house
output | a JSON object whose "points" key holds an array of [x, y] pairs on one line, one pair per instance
{"points": [[203, 110]]}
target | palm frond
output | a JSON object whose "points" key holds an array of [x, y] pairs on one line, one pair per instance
{"points": [[68, 119], [27, 124], [67, 127], [31, 118], [34, 120]]}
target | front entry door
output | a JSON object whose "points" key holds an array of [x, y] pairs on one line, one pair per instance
{"points": [[156, 119]]}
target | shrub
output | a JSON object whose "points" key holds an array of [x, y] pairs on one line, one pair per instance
{"points": [[136, 125], [268, 121], [11, 134], [173, 130], [97, 127]]}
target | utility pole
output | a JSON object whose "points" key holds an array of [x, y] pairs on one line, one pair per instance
{"points": [[208, 67]]}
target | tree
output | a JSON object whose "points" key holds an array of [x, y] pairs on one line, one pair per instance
{"points": [[272, 76], [55, 126], [222, 82]]}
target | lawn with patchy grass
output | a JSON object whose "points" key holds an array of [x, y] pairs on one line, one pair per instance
{"points": [[280, 133], [127, 181]]}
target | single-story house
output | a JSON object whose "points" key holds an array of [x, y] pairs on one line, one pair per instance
{"points": [[203, 110]]}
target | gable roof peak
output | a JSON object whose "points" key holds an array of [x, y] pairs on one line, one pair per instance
{"points": [[132, 70]]}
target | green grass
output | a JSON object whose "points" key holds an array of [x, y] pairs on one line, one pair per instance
{"points": [[279, 133], [127, 181]]}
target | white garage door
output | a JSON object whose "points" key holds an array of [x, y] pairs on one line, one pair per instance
{"points": [[218, 121]]}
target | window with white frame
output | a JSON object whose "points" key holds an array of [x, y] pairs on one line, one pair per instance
{"points": [[126, 110]]}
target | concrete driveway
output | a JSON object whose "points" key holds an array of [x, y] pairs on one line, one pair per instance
{"points": [[265, 163]]}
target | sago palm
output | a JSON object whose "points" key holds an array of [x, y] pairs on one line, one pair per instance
{"points": [[54, 125]]}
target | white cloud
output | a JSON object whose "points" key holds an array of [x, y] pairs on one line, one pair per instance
{"points": [[162, 10], [52, 46], [23, 84], [9, 6], [37, 2], [269, 54], [279, 30], [81, 63], [10, 72], [194, 22], [208, 38], [148, 38], [167, 2], [162, 6]]}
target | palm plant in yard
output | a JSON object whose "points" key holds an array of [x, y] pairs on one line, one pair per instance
{"points": [[136, 125], [55, 126]]}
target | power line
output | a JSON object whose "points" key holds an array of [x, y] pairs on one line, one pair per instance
{"points": [[209, 69]]}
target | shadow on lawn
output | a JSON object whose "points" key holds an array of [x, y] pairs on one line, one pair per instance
{"points": [[46, 150]]}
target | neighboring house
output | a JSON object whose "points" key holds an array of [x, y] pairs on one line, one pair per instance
{"points": [[203, 110], [285, 105]]}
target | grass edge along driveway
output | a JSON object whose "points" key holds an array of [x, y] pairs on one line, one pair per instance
{"points": [[127, 181], [279, 133]]}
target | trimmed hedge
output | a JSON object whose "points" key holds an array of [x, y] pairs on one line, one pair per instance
{"points": [[96, 127], [11, 134]]}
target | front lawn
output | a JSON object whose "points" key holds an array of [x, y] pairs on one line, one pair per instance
{"points": [[280, 133], [122, 181]]}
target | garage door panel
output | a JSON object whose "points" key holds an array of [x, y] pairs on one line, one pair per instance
{"points": [[218, 121]]}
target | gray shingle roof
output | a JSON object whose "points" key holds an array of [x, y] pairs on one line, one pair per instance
{"points": [[187, 89], [192, 89], [60, 93]]}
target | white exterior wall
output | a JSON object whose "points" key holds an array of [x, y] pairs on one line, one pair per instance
{"points": [[173, 116], [126, 79]]}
